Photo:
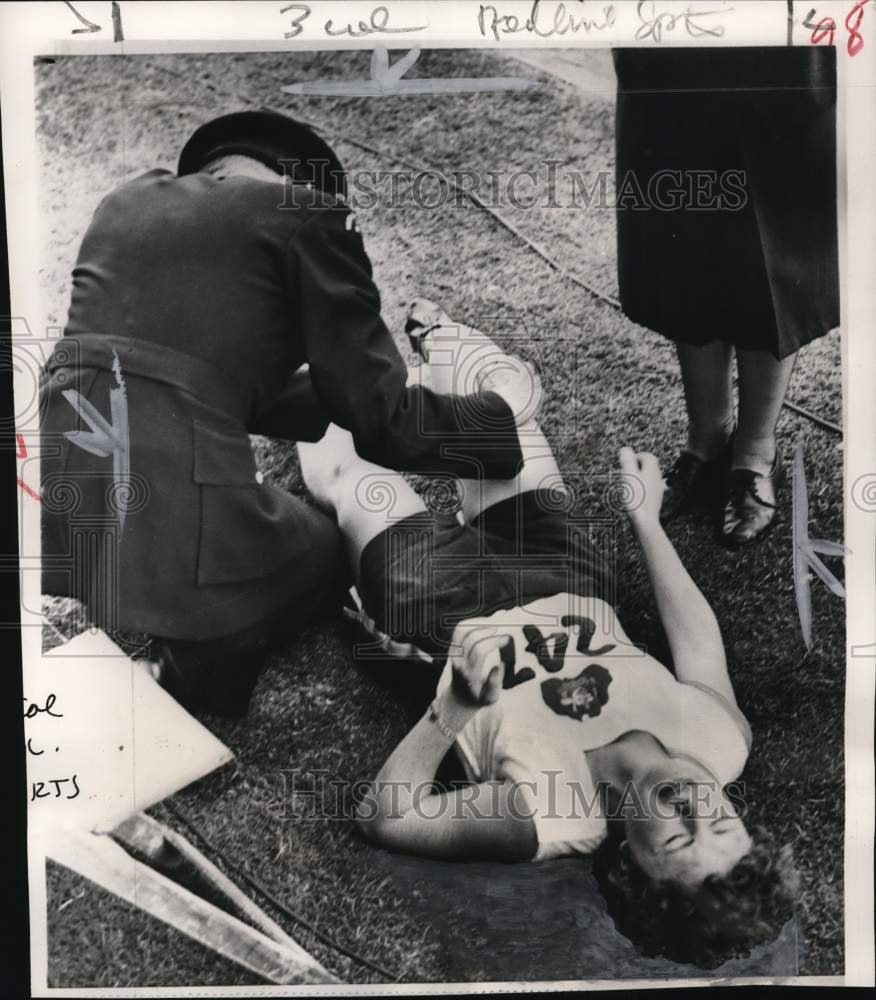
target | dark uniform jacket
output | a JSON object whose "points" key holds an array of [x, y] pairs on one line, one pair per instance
{"points": [[194, 302]]}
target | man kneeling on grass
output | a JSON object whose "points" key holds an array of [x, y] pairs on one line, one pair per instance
{"points": [[572, 737]]}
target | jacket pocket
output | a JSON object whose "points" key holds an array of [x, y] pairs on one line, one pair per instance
{"points": [[248, 528], [223, 458]]}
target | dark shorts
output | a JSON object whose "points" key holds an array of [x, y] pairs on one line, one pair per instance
{"points": [[425, 574]]}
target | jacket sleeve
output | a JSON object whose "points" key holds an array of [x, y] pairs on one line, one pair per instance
{"points": [[296, 413], [360, 377]]}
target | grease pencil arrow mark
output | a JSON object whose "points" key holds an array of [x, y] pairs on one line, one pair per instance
{"points": [[806, 551], [387, 80], [107, 437]]}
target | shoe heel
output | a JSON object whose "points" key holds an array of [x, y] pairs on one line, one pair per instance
{"points": [[417, 335]]}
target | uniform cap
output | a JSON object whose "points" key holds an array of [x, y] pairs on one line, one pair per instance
{"points": [[269, 137]]}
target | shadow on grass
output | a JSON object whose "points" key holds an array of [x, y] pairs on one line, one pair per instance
{"points": [[545, 921]]}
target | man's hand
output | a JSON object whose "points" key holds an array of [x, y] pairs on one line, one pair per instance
{"points": [[477, 665], [643, 487], [517, 382]]}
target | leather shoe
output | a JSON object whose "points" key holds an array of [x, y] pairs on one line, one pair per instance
{"points": [[423, 317], [692, 483], [751, 503]]}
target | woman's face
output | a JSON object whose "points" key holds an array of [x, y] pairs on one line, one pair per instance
{"points": [[689, 830]]}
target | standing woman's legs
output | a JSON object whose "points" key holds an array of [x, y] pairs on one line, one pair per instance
{"points": [[763, 382], [695, 478], [756, 469], [706, 373]]}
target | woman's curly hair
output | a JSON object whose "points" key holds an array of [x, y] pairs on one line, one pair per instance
{"points": [[725, 917]]}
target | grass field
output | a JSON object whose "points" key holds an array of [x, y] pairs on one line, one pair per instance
{"points": [[607, 383]]}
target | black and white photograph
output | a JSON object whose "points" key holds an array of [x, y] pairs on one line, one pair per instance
{"points": [[434, 494]]}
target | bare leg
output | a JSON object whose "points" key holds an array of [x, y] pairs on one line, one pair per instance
{"points": [[455, 356], [365, 498], [708, 395], [763, 382], [539, 471]]}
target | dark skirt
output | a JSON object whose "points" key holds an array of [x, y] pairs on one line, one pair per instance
{"points": [[727, 194]]}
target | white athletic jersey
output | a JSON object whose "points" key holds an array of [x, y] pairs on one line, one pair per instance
{"points": [[574, 682]]}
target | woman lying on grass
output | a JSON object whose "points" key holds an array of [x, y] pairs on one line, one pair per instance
{"points": [[572, 737]]}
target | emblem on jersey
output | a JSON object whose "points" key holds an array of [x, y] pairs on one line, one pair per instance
{"points": [[579, 696], [352, 223]]}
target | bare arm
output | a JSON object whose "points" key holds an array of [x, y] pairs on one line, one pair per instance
{"points": [[403, 812], [688, 620]]}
